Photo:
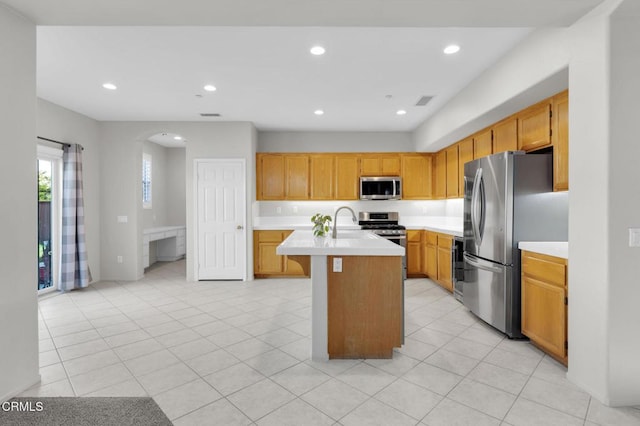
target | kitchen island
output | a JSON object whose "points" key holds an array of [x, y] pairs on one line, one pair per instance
{"points": [[356, 293]]}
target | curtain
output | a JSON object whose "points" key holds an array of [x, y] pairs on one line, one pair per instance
{"points": [[74, 271]]}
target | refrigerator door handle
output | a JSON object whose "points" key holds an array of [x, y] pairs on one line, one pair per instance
{"points": [[481, 264], [475, 195]]}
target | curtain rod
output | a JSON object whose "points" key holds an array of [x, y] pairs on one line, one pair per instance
{"points": [[51, 140], [58, 142]]}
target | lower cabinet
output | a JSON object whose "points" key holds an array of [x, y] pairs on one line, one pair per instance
{"points": [[429, 253], [544, 303], [444, 261], [414, 253], [266, 263]]}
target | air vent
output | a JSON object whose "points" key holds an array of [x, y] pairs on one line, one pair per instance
{"points": [[424, 100], [209, 114]]}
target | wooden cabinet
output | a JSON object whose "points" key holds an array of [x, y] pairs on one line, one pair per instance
{"points": [[440, 175], [414, 253], [482, 144], [347, 177], [544, 302], [534, 127], [430, 251], [452, 171], [560, 138], [416, 176], [380, 165], [267, 263], [296, 177], [505, 135], [465, 154], [322, 177], [270, 177], [444, 261]]}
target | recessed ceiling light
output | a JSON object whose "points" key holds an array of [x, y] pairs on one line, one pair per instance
{"points": [[178, 138], [317, 50], [110, 86], [401, 112], [210, 88], [451, 49], [318, 112]]}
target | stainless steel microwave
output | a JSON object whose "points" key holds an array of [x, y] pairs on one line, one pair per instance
{"points": [[381, 188]]}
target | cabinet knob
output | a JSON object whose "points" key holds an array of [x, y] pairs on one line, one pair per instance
{"points": [[240, 227]]}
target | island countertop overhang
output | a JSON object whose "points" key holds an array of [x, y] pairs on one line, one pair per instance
{"points": [[348, 243]]}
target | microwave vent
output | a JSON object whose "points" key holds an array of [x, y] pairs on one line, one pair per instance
{"points": [[424, 100]]}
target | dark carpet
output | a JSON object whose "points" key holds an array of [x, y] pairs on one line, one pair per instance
{"points": [[61, 411]]}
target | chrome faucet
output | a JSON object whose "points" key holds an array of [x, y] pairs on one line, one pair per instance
{"points": [[334, 232]]}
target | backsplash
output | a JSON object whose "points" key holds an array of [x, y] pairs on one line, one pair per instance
{"points": [[406, 208]]}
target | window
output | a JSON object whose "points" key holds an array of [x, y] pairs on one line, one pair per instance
{"points": [[146, 181]]}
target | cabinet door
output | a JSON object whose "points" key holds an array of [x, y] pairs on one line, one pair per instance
{"points": [[440, 175], [416, 177], [414, 252], [505, 136], [444, 268], [322, 177], [271, 177], [370, 166], [347, 182], [390, 165], [560, 136], [465, 154], [543, 315], [452, 171], [482, 144], [266, 261], [297, 177], [534, 127]]}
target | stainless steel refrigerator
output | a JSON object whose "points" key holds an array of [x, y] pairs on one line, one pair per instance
{"points": [[508, 198]]}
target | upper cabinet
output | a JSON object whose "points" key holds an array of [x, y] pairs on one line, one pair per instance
{"points": [[452, 171], [416, 176], [560, 139], [346, 175], [297, 177], [440, 175], [534, 127], [270, 177], [465, 154], [380, 165], [505, 135], [322, 171], [482, 144]]}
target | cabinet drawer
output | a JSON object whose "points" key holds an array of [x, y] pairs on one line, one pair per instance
{"points": [[444, 240], [432, 238], [546, 268], [269, 236], [414, 236]]}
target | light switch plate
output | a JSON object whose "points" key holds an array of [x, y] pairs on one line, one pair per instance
{"points": [[337, 264], [634, 237], [123, 219]]}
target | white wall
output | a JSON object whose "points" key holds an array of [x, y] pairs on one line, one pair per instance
{"points": [[335, 142], [58, 123], [176, 186], [18, 214]]}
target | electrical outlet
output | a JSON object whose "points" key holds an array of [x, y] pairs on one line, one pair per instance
{"points": [[634, 237], [120, 259], [295, 209], [279, 210], [123, 219], [337, 264]]}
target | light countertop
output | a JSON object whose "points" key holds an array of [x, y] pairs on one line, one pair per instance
{"points": [[550, 248], [348, 243], [162, 229]]}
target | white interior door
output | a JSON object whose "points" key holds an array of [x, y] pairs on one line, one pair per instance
{"points": [[221, 195]]}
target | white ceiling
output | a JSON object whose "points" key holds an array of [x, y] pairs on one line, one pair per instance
{"points": [[256, 53]]}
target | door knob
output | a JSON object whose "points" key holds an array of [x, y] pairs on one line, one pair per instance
{"points": [[240, 227]]}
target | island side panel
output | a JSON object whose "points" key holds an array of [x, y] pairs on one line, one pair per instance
{"points": [[319, 308], [364, 306]]}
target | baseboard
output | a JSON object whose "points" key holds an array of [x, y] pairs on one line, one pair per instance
{"points": [[19, 390]]}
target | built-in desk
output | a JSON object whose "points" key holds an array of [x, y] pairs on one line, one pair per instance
{"points": [[169, 241]]}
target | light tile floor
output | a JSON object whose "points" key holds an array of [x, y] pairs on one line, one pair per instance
{"points": [[228, 353]]}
